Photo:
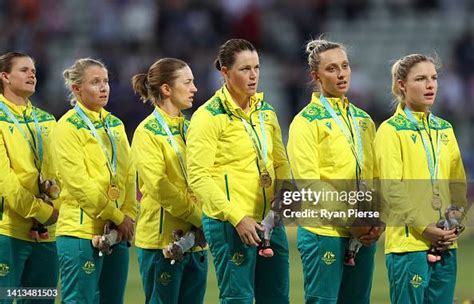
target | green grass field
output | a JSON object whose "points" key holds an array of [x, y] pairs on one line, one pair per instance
{"points": [[380, 295]]}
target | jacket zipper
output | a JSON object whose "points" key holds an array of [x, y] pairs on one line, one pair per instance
{"points": [[407, 233], [82, 216]]}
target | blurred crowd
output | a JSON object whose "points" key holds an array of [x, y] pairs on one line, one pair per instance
{"points": [[129, 35]]}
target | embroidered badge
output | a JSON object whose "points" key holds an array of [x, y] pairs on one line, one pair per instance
{"points": [[4, 270], [165, 278], [329, 257], [413, 137], [89, 267], [11, 129], [416, 281], [238, 258], [363, 125], [444, 138], [328, 124]]}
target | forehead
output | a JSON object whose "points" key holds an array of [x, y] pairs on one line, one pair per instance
{"points": [[422, 68], [246, 57], [184, 73], [95, 71], [20, 62], [333, 56]]}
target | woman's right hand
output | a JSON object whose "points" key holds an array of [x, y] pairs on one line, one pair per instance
{"points": [[247, 230], [439, 237], [127, 228]]}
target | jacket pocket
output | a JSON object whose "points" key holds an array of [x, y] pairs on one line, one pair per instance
{"points": [[2, 204], [161, 220], [227, 190]]}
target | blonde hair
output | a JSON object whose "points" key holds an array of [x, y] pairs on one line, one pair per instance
{"points": [[315, 47], [75, 74], [163, 71], [402, 67]]}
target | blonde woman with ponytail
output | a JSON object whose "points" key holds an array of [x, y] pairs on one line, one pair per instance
{"points": [[423, 182], [92, 155], [167, 205], [330, 148]]}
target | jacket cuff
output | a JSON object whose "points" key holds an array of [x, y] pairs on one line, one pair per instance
{"points": [[235, 215], [196, 217], [44, 211], [113, 214]]}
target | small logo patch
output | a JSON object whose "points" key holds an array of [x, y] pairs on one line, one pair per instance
{"points": [[363, 125], [4, 270], [238, 258], [11, 129], [413, 137], [328, 124], [444, 138], [165, 278], [89, 267], [45, 131], [416, 281], [329, 258]]}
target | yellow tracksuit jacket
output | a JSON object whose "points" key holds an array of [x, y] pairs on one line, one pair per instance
{"points": [[222, 163], [405, 177], [18, 174], [83, 173], [165, 205], [318, 150]]}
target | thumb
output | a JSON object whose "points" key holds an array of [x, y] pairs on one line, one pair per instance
{"points": [[259, 227]]}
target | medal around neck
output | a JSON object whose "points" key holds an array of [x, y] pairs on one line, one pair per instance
{"points": [[265, 179], [113, 192], [436, 202]]}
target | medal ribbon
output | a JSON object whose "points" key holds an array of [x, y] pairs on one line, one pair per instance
{"points": [[173, 142], [433, 164], [38, 153], [111, 162], [262, 152], [358, 154]]}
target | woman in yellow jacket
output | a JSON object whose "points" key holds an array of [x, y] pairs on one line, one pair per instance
{"points": [[234, 155], [25, 165], [167, 206], [92, 156], [330, 148], [421, 174]]}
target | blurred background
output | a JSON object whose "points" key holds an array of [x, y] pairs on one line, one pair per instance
{"points": [[129, 35]]}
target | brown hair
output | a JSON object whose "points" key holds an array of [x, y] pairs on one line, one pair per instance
{"points": [[75, 74], [227, 52], [163, 71], [6, 63], [402, 67]]}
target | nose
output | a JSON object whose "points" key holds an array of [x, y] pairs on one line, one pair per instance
{"points": [[253, 73], [194, 88]]}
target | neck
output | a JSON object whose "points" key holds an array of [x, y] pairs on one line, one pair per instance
{"points": [[15, 98], [169, 108], [241, 100], [417, 108], [327, 94], [93, 108]]}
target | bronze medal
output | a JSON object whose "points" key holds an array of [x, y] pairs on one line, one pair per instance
{"points": [[192, 196], [363, 186], [113, 192], [265, 179], [436, 202]]}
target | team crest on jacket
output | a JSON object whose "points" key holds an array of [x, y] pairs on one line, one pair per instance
{"points": [[89, 267], [329, 257], [416, 281], [165, 278], [413, 137], [363, 125], [4, 270], [444, 138]]}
